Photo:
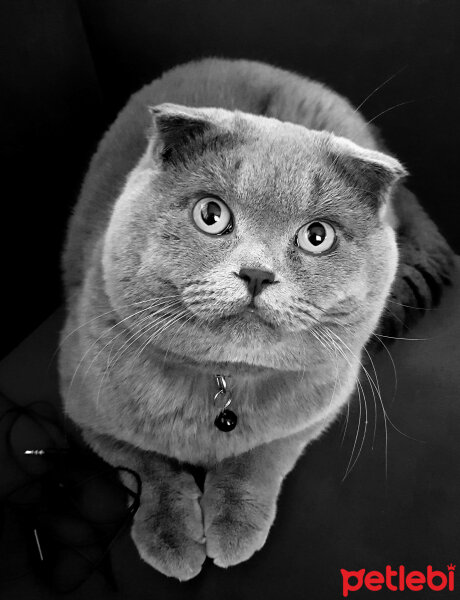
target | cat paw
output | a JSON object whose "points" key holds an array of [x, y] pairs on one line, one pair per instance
{"points": [[237, 519], [168, 530]]}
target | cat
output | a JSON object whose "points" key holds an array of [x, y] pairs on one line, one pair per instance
{"points": [[243, 221]]}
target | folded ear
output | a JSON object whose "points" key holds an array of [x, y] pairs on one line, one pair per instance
{"points": [[176, 127], [373, 173]]}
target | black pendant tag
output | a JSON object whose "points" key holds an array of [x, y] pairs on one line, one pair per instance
{"points": [[226, 421]]}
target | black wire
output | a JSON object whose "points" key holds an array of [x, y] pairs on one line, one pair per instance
{"points": [[55, 493]]}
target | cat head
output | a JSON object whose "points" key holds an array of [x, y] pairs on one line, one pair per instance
{"points": [[244, 237]]}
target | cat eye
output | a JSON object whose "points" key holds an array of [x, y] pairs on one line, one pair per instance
{"points": [[213, 216], [316, 237]]}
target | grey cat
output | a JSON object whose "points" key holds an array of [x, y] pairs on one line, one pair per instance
{"points": [[240, 220]]}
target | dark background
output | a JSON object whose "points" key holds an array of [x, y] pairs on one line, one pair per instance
{"points": [[68, 66]]}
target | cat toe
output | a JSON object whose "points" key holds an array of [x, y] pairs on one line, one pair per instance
{"points": [[170, 552], [169, 534], [182, 562], [229, 542], [235, 526]]}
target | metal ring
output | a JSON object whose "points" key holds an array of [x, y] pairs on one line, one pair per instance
{"points": [[229, 401], [221, 383], [218, 394]]}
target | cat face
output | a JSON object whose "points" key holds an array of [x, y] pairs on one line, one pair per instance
{"points": [[242, 236]]}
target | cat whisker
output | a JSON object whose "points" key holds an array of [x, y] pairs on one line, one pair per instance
{"points": [[161, 330], [395, 316], [310, 305], [394, 426], [142, 330], [394, 367], [347, 418], [413, 307], [175, 335], [321, 340], [372, 383], [379, 87], [104, 314], [361, 400], [167, 325], [105, 332], [375, 404], [385, 415], [135, 327], [97, 340], [103, 378], [121, 350], [330, 312], [325, 346], [390, 108], [405, 339], [337, 377], [86, 323], [359, 418]]}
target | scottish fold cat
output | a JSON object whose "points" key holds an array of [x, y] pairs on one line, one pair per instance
{"points": [[238, 239]]}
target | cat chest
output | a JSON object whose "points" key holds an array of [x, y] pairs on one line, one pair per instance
{"points": [[187, 429]]}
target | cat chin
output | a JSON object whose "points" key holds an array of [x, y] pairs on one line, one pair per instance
{"points": [[236, 361], [251, 324], [248, 321], [253, 350]]}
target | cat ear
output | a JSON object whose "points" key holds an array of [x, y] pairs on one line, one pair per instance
{"points": [[175, 127], [373, 173]]}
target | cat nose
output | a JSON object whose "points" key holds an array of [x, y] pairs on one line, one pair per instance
{"points": [[256, 279]]}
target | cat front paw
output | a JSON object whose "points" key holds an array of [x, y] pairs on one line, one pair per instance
{"points": [[237, 519], [168, 530]]}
